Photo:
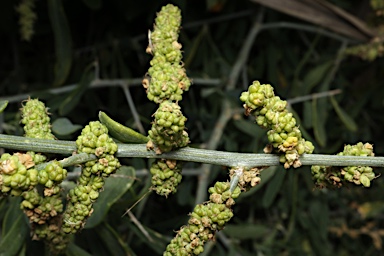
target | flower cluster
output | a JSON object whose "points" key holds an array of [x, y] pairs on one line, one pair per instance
{"points": [[325, 176], [167, 78], [167, 132], [271, 113], [36, 120], [15, 177], [27, 18], [94, 139], [204, 221], [166, 175]]}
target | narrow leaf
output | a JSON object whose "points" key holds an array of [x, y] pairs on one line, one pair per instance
{"points": [[14, 229], [3, 105], [74, 250], [316, 76], [63, 47], [115, 187], [63, 126], [74, 97], [347, 120], [273, 188], [246, 231], [93, 4], [318, 125], [111, 240]]}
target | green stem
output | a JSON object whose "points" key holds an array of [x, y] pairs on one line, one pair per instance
{"points": [[188, 154]]}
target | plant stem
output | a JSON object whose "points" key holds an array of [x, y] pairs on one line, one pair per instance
{"points": [[230, 159]]}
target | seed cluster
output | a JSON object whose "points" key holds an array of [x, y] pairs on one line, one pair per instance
{"points": [[36, 120], [271, 113], [204, 221], [330, 176], [94, 139]]}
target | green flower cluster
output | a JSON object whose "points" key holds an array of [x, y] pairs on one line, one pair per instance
{"points": [[36, 120], [204, 221], [325, 176], [79, 207], [167, 132], [15, 177], [53, 236], [27, 18], [53, 174], [166, 175], [94, 139], [271, 113], [167, 78], [41, 209]]}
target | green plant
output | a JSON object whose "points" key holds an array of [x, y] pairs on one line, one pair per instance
{"points": [[167, 134]]}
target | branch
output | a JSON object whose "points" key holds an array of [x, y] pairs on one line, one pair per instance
{"points": [[188, 154]]}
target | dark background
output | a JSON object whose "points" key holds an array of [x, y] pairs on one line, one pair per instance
{"points": [[284, 216]]}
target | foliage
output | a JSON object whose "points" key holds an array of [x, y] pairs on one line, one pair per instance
{"points": [[100, 47]]}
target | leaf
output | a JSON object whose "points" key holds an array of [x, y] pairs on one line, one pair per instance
{"points": [[63, 47], [316, 76], [63, 126], [248, 128], [74, 250], [111, 240], [3, 105], [15, 228], [70, 102], [347, 120], [115, 186], [307, 115], [318, 125], [246, 231], [273, 187], [320, 217], [93, 4]]}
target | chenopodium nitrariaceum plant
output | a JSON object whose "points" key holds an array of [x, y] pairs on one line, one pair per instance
{"points": [[94, 139], [271, 113], [332, 176], [165, 83], [205, 220]]}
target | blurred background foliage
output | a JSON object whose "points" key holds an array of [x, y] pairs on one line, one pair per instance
{"points": [[98, 47]]}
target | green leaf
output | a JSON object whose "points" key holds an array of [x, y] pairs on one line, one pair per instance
{"points": [[347, 120], [111, 240], [246, 231], [307, 115], [70, 102], [93, 4], [320, 217], [115, 186], [74, 250], [316, 76], [3, 105], [248, 128], [15, 228], [63, 126], [273, 187], [318, 125], [63, 47]]}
